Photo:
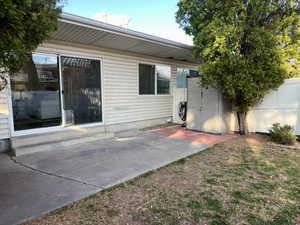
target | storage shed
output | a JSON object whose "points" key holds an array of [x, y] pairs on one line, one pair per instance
{"points": [[207, 110]]}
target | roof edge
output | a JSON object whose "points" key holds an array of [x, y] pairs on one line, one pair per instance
{"points": [[121, 30]]}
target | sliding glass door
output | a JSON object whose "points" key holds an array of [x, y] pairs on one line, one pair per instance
{"points": [[81, 90], [35, 94], [44, 97]]}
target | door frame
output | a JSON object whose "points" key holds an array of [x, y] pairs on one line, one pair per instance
{"points": [[63, 126], [62, 90]]}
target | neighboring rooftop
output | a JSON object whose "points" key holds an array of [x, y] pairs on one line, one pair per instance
{"points": [[77, 29]]}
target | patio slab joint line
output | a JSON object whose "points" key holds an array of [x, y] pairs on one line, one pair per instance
{"points": [[54, 175]]}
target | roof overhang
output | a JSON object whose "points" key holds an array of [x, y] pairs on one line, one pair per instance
{"points": [[77, 29]]}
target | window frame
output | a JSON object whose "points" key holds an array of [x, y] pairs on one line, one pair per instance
{"points": [[138, 76], [62, 126], [155, 79]]}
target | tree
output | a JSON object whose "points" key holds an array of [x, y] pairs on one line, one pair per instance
{"points": [[23, 26], [248, 47]]}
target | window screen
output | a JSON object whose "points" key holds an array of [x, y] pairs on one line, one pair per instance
{"points": [[82, 90], [146, 79]]}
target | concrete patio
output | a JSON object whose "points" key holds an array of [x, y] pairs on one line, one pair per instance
{"points": [[35, 184]]}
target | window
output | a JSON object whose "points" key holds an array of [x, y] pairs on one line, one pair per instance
{"points": [[35, 93], [194, 73], [182, 74], [163, 79], [82, 90], [146, 79], [154, 79]]}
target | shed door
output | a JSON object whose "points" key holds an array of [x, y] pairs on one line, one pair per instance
{"points": [[203, 107]]}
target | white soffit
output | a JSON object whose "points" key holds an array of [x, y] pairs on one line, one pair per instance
{"points": [[76, 29]]}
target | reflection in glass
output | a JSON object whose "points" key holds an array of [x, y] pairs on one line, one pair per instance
{"points": [[35, 93], [146, 79], [181, 77], [163, 79], [82, 90]]}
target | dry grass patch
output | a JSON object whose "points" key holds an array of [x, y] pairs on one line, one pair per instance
{"points": [[242, 181]]}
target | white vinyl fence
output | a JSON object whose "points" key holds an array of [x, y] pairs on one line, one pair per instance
{"points": [[280, 106]]}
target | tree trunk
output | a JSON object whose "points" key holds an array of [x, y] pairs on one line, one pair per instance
{"points": [[243, 125]]}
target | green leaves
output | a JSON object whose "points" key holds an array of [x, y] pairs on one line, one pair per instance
{"points": [[248, 46], [23, 26]]}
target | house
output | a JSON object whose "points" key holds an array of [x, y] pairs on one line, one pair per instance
{"points": [[89, 81]]}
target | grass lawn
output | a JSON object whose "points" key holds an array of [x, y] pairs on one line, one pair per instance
{"points": [[243, 181]]}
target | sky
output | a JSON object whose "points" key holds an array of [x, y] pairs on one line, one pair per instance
{"points": [[156, 17]]}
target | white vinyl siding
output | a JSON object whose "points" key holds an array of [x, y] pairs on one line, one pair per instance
{"points": [[121, 100], [4, 112]]}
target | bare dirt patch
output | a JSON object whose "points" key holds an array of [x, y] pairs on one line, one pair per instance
{"points": [[242, 181]]}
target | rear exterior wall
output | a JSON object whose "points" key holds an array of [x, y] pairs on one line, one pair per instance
{"points": [[121, 100]]}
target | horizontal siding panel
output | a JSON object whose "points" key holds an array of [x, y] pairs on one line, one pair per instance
{"points": [[4, 135], [117, 78], [120, 74], [2, 95], [143, 102], [138, 109], [139, 116], [131, 63], [114, 81], [133, 103], [3, 116], [116, 110], [127, 120], [118, 58], [135, 97], [4, 123], [121, 70], [122, 89], [111, 83], [3, 101], [120, 64], [4, 127]]}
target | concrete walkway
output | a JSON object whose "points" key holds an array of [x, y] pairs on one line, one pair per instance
{"points": [[33, 185], [26, 194]]}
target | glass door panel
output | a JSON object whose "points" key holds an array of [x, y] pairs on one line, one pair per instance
{"points": [[36, 94], [81, 90]]}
